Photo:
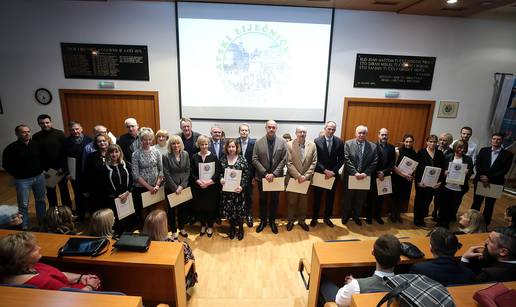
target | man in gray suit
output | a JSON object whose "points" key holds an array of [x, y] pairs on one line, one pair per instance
{"points": [[269, 158], [360, 159]]}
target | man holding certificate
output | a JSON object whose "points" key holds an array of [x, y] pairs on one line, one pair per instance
{"points": [[302, 158], [269, 158], [360, 161]]}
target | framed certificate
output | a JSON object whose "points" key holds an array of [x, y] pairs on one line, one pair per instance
{"points": [[385, 186], [206, 170], [319, 180], [431, 176], [176, 199], [407, 166], [456, 173], [363, 184], [124, 209]]}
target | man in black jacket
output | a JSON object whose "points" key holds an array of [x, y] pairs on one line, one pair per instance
{"points": [[247, 145], [129, 142], [492, 164]]}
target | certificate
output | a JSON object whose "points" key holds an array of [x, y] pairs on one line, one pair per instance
{"points": [[363, 184], [456, 173], [176, 199], [53, 178], [231, 179], [295, 187], [206, 170], [407, 166], [124, 209], [150, 199], [385, 186], [492, 190], [71, 167], [431, 176], [320, 180], [277, 184]]}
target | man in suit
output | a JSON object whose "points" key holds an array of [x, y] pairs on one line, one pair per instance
{"points": [[269, 158], [247, 145], [496, 260], [188, 136], [360, 161], [465, 134], [302, 158], [330, 157], [130, 141], [492, 164], [216, 145], [386, 158]]}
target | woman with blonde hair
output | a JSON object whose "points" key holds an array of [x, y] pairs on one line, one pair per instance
{"points": [[101, 223], [162, 141], [472, 221]]}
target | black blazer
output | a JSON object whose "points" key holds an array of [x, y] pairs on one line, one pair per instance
{"points": [[425, 160], [444, 270], [386, 158], [496, 172], [329, 160], [248, 154], [466, 160], [495, 271], [221, 149]]}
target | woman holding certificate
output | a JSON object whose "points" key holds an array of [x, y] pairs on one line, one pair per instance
{"points": [[460, 168], [232, 180], [94, 168], [402, 176], [176, 167], [205, 175], [428, 174]]}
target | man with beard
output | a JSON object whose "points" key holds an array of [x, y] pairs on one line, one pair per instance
{"points": [[496, 260]]}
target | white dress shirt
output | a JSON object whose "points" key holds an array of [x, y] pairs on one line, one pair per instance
{"points": [[343, 298]]}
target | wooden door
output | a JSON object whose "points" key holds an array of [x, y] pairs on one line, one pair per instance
{"points": [[109, 108]]}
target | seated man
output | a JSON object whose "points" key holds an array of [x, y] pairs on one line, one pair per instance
{"points": [[386, 251], [496, 260], [444, 269]]}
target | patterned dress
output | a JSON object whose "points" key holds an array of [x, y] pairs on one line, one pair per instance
{"points": [[233, 204]]}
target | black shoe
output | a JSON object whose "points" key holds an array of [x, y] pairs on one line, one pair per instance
{"points": [[329, 223], [304, 226], [232, 233], [344, 221], [274, 228], [261, 227], [313, 223], [380, 221], [290, 225], [249, 221], [183, 233], [240, 234], [369, 221], [357, 221]]}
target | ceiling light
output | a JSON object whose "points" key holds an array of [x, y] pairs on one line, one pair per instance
{"points": [[451, 1]]}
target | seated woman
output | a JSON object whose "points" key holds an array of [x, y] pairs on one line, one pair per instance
{"points": [[472, 221], [510, 216], [156, 227], [101, 223], [19, 264], [59, 219]]}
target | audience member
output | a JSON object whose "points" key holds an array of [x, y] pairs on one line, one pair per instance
{"points": [[471, 221], [162, 142], [401, 182], [10, 217], [510, 216], [247, 146], [59, 219], [101, 223], [130, 141]]}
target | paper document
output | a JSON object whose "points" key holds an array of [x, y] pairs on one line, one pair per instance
{"points": [[124, 209], [407, 166], [295, 187], [278, 184], [71, 167], [431, 176], [176, 199], [320, 180], [232, 179], [456, 173], [53, 178], [362, 184], [492, 190], [385, 186], [206, 170], [150, 199]]}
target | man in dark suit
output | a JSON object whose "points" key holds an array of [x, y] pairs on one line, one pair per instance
{"points": [[330, 157], [360, 161], [188, 136], [492, 164], [386, 158], [496, 260], [247, 146], [130, 141], [269, 158], [216, 145]]}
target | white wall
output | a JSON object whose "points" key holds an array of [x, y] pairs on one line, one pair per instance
{"points": [[468, 52]]}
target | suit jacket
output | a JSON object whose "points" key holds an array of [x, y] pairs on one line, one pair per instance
{"points": [[369, 158], [444, 270], [248, 154], [329, 160], [297, 167], [496, 172], [465, 160], [176, 172], [497, 271], [386, 158], [261, 157], [221, 149]]}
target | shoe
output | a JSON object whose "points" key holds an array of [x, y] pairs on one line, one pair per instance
{"points": [[183, 233], [274, 228], [209, 232], [304, 226], [313, 223], [329, 223], [290, 225], [344, 220], [203, 231], [357, 221], [380, 221], [232, 233], [240, 235], [369, 221], [249, 221], [261, 227]]}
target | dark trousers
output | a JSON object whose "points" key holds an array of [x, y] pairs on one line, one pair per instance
{"points": [[449, 201], [328, 292], [353, 203], [206, 218], [268, 200], [138, 205], [330, 196], [248, 198], [401, 190], [178, 211], [374, 203], [422, 202], [488, 208], [63, 191], [80, 200]]}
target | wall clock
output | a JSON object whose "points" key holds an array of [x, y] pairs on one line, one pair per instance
{"points": [[43, 96]]}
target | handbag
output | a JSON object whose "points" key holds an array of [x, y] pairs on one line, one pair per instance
{"points": [[410, 250], [496, 295], [84, 247], [133, 242]]}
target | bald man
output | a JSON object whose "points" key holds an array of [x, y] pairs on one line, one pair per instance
{"points": [[129, 142]]}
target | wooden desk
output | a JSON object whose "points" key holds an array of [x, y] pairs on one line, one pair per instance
{"points": [[462, 295], [355, 255], [157, 275], [21, 297]]}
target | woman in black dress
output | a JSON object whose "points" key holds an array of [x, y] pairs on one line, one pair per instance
{"points": [[401, 182], [205, 185], [94, 169]]}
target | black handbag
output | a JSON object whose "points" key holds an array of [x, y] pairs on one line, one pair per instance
{"points": [[410, 250], [133, 242], [84, 247]]}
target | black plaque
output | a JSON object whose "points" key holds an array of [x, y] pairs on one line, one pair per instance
{"points": [[97, 61], [394, 71]]}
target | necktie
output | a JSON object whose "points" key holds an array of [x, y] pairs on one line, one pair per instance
{"points": [[217, 148], [302, 149], [328, 144], [360, 156]]}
